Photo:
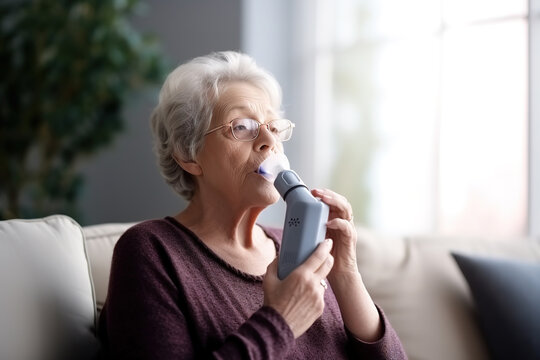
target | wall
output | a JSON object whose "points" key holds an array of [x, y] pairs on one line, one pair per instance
{"points": [[123, 182]]}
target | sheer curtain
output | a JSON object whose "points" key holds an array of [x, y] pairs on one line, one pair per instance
{"points": [[421, 113], [425, 113]]}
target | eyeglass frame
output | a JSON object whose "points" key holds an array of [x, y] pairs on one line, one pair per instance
{"points": [[267, 124]]}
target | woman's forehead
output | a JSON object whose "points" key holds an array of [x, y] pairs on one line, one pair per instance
{"points": [[244, 98]]}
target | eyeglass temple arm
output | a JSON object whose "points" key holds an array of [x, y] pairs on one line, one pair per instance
{"points": [[215, 129]]}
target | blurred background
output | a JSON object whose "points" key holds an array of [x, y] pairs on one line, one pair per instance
{"points": [[424, 113]]}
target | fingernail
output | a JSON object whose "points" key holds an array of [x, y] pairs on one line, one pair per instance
{"points": [[328, 241]]}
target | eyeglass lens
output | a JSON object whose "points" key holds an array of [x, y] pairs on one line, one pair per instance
{"points": [[248, 129]]}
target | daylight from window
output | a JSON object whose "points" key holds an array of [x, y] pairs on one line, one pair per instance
{"points": [[426, 105]]}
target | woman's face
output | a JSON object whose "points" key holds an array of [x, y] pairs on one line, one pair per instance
{"points": [[228, 166]]}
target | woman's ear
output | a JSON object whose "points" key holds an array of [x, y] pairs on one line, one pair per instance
{"points": [[191, 167]]}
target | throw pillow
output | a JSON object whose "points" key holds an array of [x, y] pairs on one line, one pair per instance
{"points": [[507, 297]]}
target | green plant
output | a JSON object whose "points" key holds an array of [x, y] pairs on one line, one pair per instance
{"points": [[66, 68]]}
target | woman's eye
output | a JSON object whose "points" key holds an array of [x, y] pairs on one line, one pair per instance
{"points": [[275, 128], [244, 125], [239, 127]]}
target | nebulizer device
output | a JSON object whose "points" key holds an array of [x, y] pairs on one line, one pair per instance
{"points": [[305, 215]]}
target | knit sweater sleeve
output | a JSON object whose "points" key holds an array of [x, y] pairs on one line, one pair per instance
{"points": [[144, 318], [387, 347], [265, 335]]}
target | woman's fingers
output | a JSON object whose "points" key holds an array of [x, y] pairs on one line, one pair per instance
{"points": [[342, 230], [271, 270], [341, 225], [338, 203], [325, 268], [319, 257]]}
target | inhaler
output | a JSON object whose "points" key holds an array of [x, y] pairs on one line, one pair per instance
{"points": [[305, 217]]}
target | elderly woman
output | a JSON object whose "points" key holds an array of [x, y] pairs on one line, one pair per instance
{"points": [[203, 283]]}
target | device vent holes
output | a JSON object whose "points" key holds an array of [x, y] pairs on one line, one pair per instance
{"points": [[294, 222]]}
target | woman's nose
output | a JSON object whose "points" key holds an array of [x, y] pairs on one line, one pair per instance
{"points": [[266, 138]]}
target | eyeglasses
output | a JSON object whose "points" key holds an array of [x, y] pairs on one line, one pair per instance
{"points": [[245, 129]]}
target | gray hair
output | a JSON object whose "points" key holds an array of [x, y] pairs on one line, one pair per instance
{"points": [[186, 104]]}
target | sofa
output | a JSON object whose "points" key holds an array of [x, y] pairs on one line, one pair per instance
{"points": [[54, 276]]}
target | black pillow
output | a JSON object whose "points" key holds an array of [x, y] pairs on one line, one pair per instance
{"points": [[507, 297]]}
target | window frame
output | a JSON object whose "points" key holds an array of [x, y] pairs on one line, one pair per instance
{"points": [[534, 118]]}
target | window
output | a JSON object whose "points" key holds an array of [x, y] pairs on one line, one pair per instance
{"points": [[424, 109]]}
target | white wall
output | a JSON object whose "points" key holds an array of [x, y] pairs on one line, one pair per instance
{"points": [[123, 182]]}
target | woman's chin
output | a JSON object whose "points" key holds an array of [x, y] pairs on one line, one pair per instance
{"points": [[269, 196], [275, 199], [264, 193]]}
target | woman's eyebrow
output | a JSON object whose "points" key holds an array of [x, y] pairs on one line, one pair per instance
{"points": [[241, 108], [249, 110]]}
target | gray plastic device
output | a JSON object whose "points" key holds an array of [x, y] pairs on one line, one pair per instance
{"points": [[305, 222]]}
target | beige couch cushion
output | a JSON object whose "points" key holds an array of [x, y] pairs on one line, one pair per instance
{"points": [[424, 294], [47, 308], [100, 241]]}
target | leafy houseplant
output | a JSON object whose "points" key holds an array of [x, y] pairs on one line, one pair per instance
{"points": [[66, 68]]}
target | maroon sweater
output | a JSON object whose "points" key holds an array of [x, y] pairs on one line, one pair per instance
{"points": [[171, 297]]}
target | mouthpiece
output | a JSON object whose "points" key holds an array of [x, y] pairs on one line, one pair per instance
{"points": [[273, 165]]}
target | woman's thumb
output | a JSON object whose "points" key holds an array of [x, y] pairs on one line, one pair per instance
{"points": [[272, 267]]}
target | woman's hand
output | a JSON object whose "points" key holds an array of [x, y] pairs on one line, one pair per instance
{"points": [[341, 229], [299, 298], [357, 309]]}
